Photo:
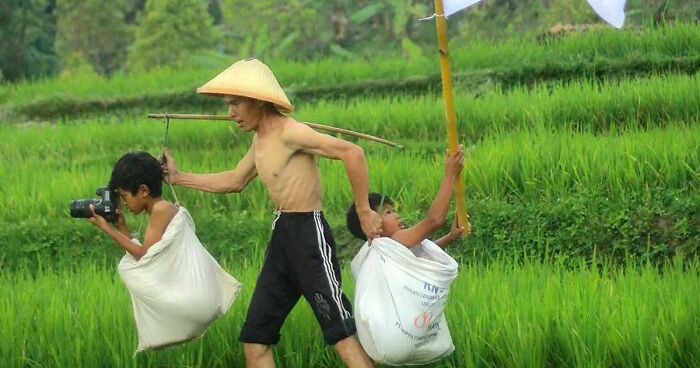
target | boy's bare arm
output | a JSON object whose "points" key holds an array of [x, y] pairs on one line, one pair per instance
{"points": [[121, 223], [224, 182], [438, 209], [119, 237], [456, 232], [301, 137], [161, 215]]}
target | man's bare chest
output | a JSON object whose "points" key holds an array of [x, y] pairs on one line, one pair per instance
{"points": [[271, 165]]}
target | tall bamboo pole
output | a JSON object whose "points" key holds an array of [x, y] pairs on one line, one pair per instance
{"points": [[450, 116]]}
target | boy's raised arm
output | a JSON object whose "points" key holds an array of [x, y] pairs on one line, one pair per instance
{"points": [[232, 181], [438, 210]]}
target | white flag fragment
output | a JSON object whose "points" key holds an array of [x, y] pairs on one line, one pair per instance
{"points": [[612, 11], [452, 6]]}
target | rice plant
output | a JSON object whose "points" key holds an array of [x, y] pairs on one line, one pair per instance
{"points": [[500, 314]]}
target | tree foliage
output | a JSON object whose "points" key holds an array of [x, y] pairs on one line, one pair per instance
{"points": [[35, 37], [302, 29], [171, 30], [275, 28], [95, 30], [27, 31]]}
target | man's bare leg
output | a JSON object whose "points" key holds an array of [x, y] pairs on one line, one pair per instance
{"points": [[352, 353], [258, 356]]}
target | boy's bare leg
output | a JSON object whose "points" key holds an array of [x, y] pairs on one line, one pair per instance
{"points": [[352, 353], [258, 356]]}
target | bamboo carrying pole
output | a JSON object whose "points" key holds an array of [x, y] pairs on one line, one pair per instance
{"points": [[312, 125], [450, 116]]}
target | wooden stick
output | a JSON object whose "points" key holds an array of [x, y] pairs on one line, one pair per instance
{"points": [[312, 125], [450, 116]]}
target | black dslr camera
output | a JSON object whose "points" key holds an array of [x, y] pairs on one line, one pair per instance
{"points": [[104, 206]]}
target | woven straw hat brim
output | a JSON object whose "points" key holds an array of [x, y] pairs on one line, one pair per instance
{"points": [[283, 106], [249, 78]]}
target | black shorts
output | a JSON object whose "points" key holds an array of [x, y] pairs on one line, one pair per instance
{"points": [[300, 260]]}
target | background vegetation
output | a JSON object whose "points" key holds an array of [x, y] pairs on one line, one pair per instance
{"points": [[582, 169], [42, 38]]}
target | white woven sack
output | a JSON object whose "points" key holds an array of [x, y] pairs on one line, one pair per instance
{"points": [[177, 288], [400, 295]]}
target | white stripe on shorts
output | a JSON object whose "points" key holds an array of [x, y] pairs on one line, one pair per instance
{"points": [[325, 249]]}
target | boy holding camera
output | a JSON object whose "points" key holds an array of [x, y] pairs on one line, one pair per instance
{"points": [[177, 288], [136, 183]]}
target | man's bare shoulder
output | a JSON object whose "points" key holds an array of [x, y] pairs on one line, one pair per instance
{"points": [[295, 131], [288, 123]]}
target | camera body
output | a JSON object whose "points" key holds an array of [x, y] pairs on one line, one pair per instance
{"points": [[104, 206]]}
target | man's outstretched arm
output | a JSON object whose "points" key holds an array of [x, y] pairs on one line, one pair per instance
{"points": [[224, 182]]}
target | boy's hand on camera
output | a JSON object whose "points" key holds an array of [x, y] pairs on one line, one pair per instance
{"points": [[97, 220], [454, 162], [121, 221], [167, 162], [120, 217]]}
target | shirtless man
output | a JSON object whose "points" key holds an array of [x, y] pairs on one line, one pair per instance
{"points": [[300, 257]]}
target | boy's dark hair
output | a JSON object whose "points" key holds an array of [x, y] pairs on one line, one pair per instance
{"points": [[134, 169], [353, 221]]}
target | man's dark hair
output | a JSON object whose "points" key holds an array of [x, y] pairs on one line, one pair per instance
{"points": [[353, 221], [134, 169]]}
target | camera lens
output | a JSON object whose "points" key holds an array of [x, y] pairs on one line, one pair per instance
{"points": [[80, 208]]}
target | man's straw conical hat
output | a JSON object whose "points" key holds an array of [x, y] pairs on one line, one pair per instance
{"points": [[248, 78]]}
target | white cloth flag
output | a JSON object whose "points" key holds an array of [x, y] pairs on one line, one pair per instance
{"points": [[612, 11], [452, 6]]}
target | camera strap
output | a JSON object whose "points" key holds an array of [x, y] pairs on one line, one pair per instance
{"points": [[166, 120]]}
